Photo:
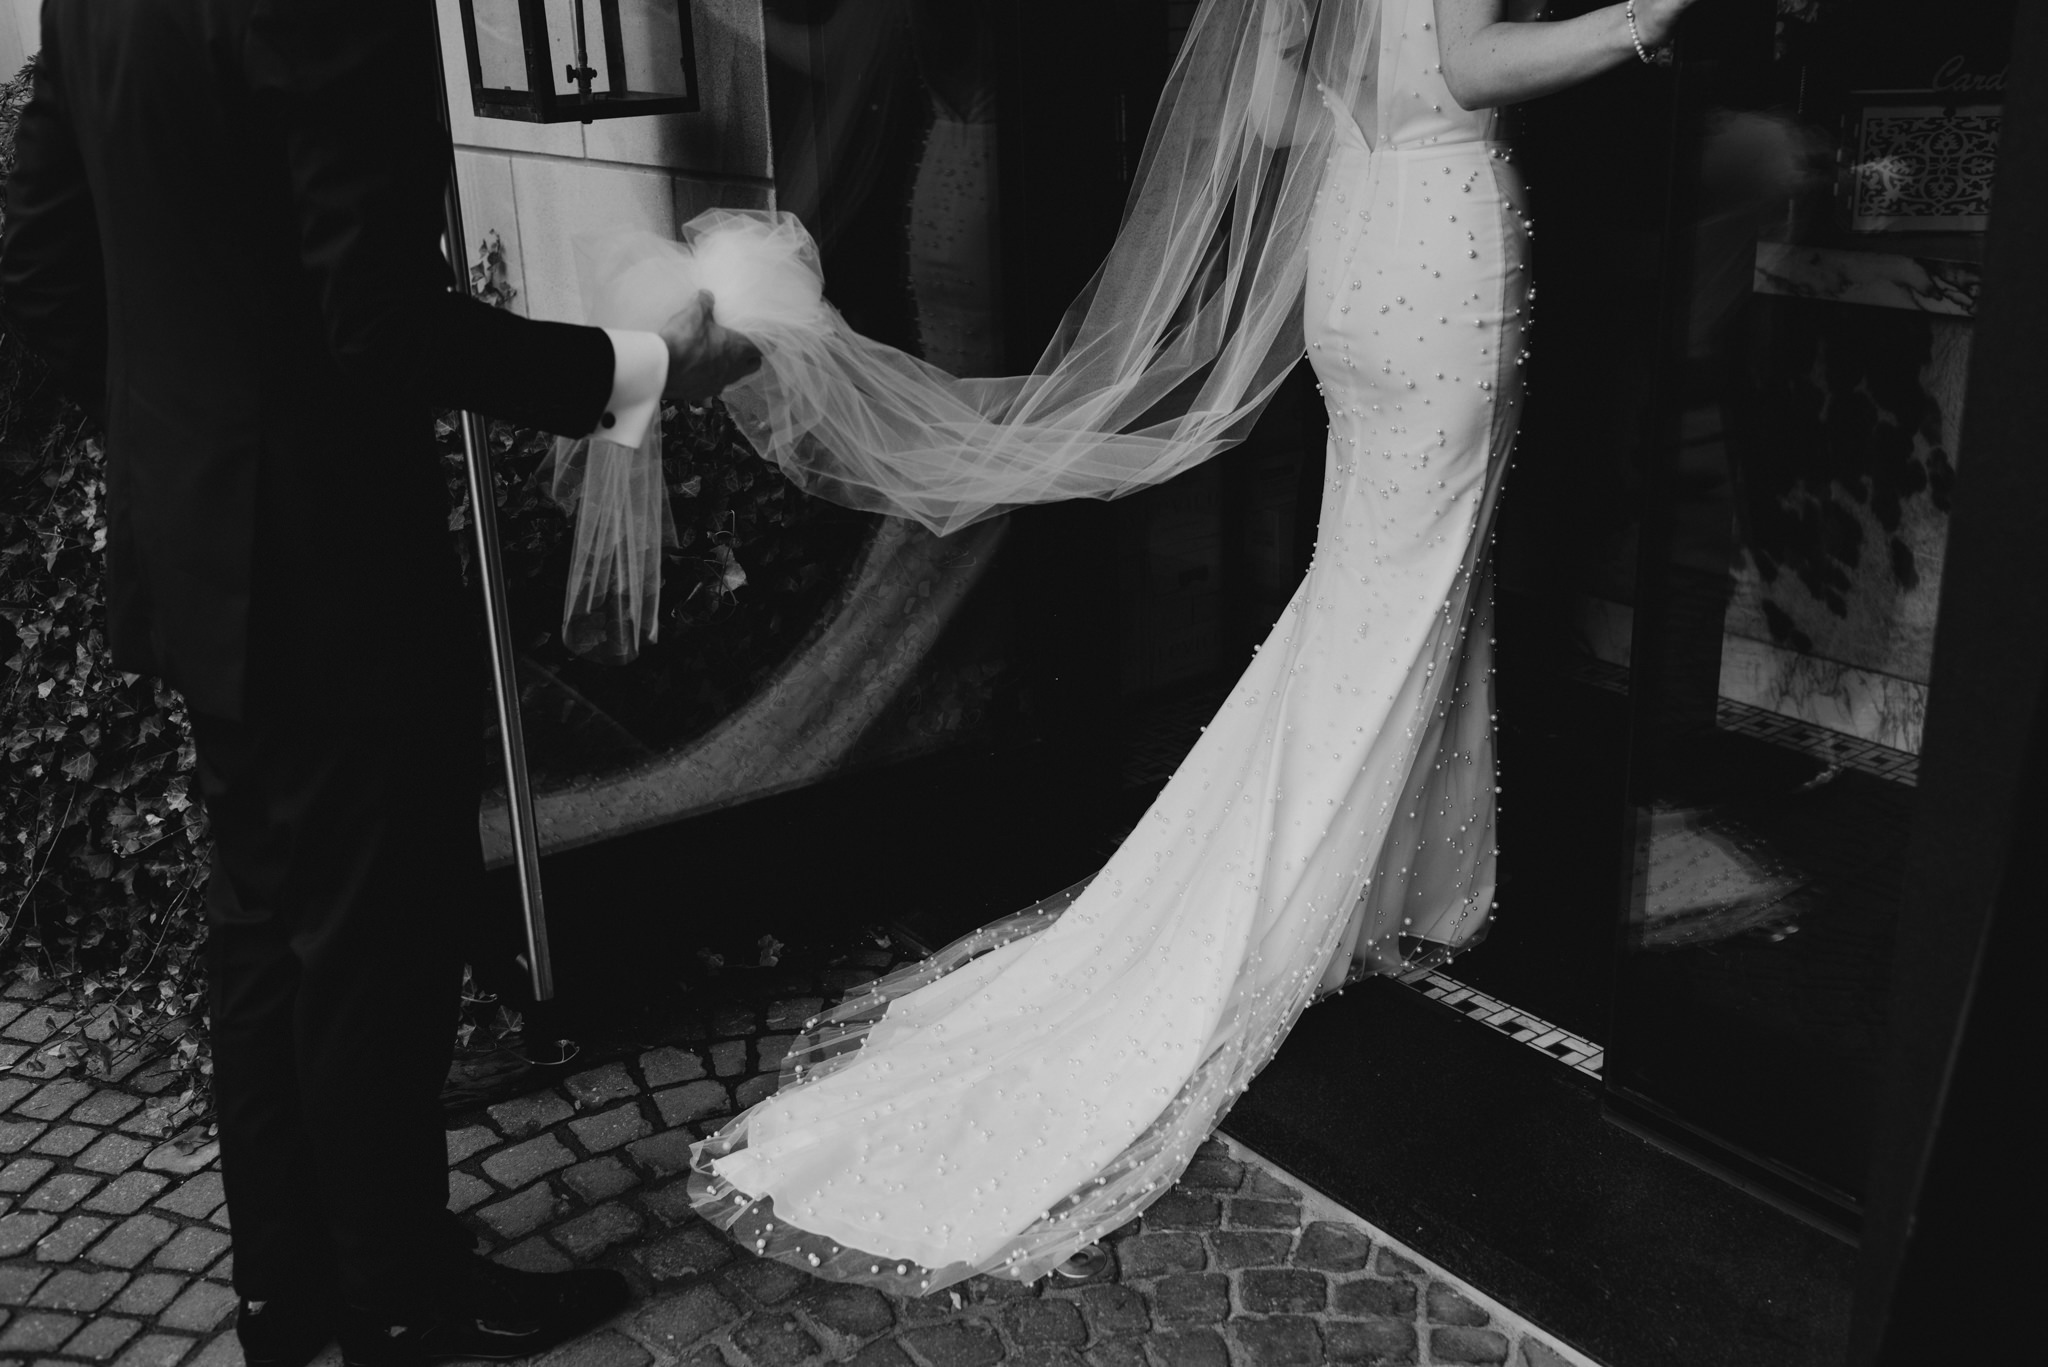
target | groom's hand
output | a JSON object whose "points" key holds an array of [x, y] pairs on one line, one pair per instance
{"points": [[703, 356]]}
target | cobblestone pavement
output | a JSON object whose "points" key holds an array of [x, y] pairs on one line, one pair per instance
{"points": [[114, 1242]]}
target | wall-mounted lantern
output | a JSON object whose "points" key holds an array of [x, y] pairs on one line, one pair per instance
{"points": [[553, 61]]}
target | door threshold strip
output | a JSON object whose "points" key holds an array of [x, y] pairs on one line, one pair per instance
{"points": [[1551, 1041]]}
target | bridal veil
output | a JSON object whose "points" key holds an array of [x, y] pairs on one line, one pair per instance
{"points": [[1166, 357]]}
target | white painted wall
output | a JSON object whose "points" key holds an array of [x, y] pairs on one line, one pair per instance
{"points": [[537, 186], [20, 33]]}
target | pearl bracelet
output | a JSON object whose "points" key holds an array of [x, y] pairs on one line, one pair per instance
{"points": [[1636, 35]]}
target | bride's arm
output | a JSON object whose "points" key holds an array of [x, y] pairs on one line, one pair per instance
{"points": [[1491, 60]]}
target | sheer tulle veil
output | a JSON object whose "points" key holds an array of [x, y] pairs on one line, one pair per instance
{"points": [[1166, 358]]}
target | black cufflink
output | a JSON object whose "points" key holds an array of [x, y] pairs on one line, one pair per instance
{"points": [[610, 421]]}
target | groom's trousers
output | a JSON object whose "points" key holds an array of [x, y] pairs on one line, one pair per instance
{"points": [[347, 876]]}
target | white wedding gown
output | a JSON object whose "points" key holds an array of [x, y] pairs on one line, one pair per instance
{"points": [[1025, 1091]]}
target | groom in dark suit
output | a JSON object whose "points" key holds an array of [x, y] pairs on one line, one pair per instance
{"points": [[223, 233]]}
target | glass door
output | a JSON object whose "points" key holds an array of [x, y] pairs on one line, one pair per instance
{"points": [[1830, 194]]}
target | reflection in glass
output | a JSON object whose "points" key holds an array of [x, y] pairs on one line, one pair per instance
{"points": [[653, 46], [501, 55], [1789, 574]]}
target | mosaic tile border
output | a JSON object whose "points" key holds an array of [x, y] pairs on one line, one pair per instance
{"points": [[1551, 1041]]}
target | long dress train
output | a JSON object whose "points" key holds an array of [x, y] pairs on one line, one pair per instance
{"points": [[1008, 1101]]}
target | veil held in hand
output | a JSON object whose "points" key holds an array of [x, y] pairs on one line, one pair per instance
{"points": [[1166, 357]]}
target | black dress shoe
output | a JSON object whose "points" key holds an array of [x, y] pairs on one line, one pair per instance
{"points": [[288, 1331], [487, 1313]]}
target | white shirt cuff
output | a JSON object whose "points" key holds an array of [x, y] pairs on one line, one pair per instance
{"points": [[639, 373]]}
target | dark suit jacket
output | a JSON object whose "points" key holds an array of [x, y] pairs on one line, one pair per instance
{"points": [[223, 231]]}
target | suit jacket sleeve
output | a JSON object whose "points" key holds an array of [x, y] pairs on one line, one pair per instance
{"points": [[52, 282], [353, 82]]}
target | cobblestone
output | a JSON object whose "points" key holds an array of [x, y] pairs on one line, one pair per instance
{"points": [[530, 1114], [106, 1108], [73, 1289], [148, 1293], [604, 1349], [156, 1350], [39, 1331], [204, 1305], [664, 1153], [467, 1142], [61, 1192], [1235, 1248], [678, 1321], [771, 1340], [855, 1312], [590, 1234], [1370, 1341], [192, 1249], [1332, 1247], [1182, 1210], [1461, 1343], [465, 1190], [1150, 1255], [666, 1067], [15, 1135], [53, 1099], [17, 1284], [19, 1230], [113, 1154], [1375, 1296], [1282, 1290], [610, 1129], [686, 1253], [600, 1179], [1279, 1341], [522, 1214], [1446, 1306], [64, 1140], [1192, 1298], [754, 1090], [132, 1240], [522, 1163], [129, 1265], [599, 1085], [197, 1197], [128, 1193], [957, 1343], [1249, 1214], [692, 1101], [1114, 1310], [769, 1283], [102, 1338]]}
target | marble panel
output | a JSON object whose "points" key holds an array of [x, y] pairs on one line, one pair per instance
{"points": [[1857, 702], [557, 200], [509, 135], [1843, 518], [728, 135], [489, 205], [1883, 279]]}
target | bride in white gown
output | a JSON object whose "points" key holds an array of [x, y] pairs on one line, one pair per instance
{"points": [[1004, 1104]]}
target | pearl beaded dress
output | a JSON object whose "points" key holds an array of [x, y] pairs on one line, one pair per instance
{"points": [[1020, 1094]]}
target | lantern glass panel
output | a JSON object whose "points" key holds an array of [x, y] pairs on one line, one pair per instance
{"points": [[653, 41], [501, 54]]}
